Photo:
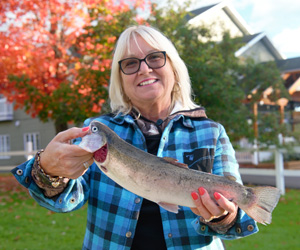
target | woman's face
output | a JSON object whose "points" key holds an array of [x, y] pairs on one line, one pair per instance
{"points": [[148, 86]]}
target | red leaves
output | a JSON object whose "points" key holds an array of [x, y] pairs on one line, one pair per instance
{"points": [[53, 60]]}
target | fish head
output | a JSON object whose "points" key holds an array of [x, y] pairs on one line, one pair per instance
{"points": [[95, 139]]}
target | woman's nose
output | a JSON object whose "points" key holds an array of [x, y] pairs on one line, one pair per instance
{"points": [[144, 68]]}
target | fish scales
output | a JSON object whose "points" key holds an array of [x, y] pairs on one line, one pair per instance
{"points": [[160, 175]]}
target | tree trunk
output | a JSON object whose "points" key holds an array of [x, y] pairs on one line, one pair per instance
{"points": [[60, 126]]}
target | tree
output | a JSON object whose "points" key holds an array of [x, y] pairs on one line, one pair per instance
{"points": [[221, 82], [55, 55]]}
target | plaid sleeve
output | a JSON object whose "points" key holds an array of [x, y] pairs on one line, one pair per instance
{"points": [[226, 164], [244, 226], [72, 198]]}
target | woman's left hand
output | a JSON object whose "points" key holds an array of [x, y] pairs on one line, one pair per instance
{"points": [[209, 208]]}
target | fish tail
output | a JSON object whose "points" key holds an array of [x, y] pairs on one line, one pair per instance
{"points": [[265, 200]]}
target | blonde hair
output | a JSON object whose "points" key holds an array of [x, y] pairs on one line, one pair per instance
{"points": [[182, 91]]}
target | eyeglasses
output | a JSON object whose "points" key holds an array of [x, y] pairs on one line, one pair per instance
{"points": [[132, 65]]}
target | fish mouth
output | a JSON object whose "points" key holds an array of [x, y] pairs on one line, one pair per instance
{"points": [[147, 82], [101, 154]]}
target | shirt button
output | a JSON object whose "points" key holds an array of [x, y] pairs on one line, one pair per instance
{"points": [[128, 234], [137, 200], [19, 172], [170, 235]]}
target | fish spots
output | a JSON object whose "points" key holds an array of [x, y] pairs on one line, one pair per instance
{"points": [[179, 181], [100, 154]]}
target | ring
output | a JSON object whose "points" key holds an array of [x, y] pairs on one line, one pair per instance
{"points": [[86, 165]]}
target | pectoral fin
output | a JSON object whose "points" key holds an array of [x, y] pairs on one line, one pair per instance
{"points": [[169, 207], [175, 162]]}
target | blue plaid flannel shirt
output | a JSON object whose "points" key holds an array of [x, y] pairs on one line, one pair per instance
{"points": [[113, 211]]}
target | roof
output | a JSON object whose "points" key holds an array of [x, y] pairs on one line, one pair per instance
{"points": [[247, 39], [251, 40], [289, 65], [228, 9], [198, 11]]}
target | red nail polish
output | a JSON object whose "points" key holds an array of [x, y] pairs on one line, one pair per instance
{"points": [[194, 196], [201, 190], [85, 129], [217, 196]]}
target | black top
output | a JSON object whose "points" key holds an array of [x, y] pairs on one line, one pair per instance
{"points": [[149, 232]]}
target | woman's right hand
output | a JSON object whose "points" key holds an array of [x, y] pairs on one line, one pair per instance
{"points": [[60, 158]]}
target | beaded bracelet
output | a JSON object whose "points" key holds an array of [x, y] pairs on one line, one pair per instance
{"points": [[55, 181]]}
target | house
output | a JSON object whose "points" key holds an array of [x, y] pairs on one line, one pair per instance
{"points": [[20, 132], [222, 16], [290, 70]]}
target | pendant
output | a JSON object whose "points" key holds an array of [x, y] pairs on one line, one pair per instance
{"points": [[55, 184]]}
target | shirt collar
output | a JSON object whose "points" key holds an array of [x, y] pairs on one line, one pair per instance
{"points": [[177, 111]]}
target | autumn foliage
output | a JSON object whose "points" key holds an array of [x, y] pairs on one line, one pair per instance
{"points": [[55, 55]]}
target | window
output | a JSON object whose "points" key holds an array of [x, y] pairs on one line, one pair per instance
{"points": [[31, 143], [4, 146], [6, 110]]}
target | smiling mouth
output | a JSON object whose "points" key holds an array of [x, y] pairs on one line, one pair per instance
{"points": [[148, 82]]}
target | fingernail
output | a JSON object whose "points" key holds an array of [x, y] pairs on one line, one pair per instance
{"points": [[194, 196], [201, 190], [217, 196], [85, 129]]}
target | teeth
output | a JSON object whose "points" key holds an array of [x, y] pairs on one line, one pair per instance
{"points": [[147, 82]]}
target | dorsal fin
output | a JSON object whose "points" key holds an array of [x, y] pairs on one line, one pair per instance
{"points": [[230, 177], [175, 162]]}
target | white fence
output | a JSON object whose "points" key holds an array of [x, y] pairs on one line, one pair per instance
{"points": [[251, 156]]}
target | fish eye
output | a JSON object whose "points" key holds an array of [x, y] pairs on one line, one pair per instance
{"points": [[94, 129]]}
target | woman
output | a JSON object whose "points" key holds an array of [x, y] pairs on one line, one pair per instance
{"points": [[150, 94]]}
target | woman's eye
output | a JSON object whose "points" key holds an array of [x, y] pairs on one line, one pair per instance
{"points": [[155, 58], [130, 63]]}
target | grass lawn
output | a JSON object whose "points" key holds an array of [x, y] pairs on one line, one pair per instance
{"points": [[26, 225], [282, 233]]}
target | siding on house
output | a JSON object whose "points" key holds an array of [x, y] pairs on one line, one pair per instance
{"points": [[21, 128]]}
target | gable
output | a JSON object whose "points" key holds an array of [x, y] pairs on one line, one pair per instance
{"points": [[223, 17], [219, 17]]}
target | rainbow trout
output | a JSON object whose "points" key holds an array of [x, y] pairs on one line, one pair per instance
{"points": [[166, 182]]}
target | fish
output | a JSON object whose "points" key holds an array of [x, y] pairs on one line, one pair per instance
{"points": [[168, 182]]}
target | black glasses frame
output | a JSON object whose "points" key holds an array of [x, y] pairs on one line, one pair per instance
{"points": [[143, 60]]}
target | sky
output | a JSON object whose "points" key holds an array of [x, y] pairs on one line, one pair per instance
{"points": [[278, 19]]}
